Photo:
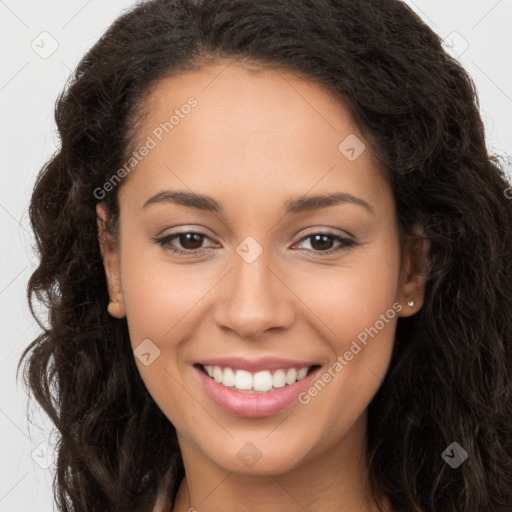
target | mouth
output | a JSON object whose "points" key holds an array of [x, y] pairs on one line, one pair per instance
{"points": [[264, 391], [264, 381]]}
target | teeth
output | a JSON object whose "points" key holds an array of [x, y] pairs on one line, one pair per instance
{"points": [[228, 378], [279, 379], [217, 374], [302, 373], [260, 381], [243, 379], [291, 376]]}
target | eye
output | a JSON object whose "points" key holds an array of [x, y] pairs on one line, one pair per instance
{"points": [[321, 243], [190, 242]]}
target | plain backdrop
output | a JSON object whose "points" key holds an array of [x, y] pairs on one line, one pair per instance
{"points": [[41, 42]]}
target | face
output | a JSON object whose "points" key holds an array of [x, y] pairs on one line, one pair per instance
{"points": [[257, 281]]}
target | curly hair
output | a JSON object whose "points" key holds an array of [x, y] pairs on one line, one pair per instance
{"points": [[450, 373]]}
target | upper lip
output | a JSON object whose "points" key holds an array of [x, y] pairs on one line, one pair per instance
{"points": [[256, 365]]}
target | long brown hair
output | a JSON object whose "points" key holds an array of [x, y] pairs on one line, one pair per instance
{"points": [[450, 374]]}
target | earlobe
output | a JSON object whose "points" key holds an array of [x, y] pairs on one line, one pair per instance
{"points": [[115, 306], [110, 256], [415, 273], [116, 309]]}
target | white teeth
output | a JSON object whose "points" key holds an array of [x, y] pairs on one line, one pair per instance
{"points": [[279, 379], [291, 376], [302, 373], [260, 381], [217, 374], [228, 377], [243, 379]]}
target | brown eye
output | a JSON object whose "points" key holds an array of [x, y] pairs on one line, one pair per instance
{"points": [[186, 242], [322, 243], [190, 241]]}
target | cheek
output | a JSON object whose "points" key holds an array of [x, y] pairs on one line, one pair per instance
{"points": [[350, 298], [358, 308], [158, 295], [160, 301]]}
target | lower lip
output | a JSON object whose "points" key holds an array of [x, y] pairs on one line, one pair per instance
{"points": [[254, 405]]}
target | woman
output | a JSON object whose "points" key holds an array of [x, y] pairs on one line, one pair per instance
{"points": [[276, 256]]}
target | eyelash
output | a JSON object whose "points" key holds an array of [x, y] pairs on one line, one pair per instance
{"points": [[163, 241]]}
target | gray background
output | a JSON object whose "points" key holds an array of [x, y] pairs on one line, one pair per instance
{"points": [[30, 81]]}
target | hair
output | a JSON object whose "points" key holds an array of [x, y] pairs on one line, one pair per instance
{"points": [[449, 378]]}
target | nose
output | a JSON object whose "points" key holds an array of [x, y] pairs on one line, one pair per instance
{"points": [[253, 299]]}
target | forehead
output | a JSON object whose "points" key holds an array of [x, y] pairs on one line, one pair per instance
{"points": [[259, 99], [226, 128]]}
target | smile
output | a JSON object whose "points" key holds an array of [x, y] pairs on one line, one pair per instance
{"points": [[255, 389], [263, 381]]}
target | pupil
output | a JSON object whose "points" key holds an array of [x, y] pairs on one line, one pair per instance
{"points": [[186, 240], [324, 242]]}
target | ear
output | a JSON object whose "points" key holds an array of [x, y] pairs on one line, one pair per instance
{"points": [[414, 272], [110, 254]]}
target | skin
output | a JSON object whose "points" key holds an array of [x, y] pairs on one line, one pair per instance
{"points": [[255, 140]]}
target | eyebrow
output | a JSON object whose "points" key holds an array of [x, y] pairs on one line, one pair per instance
{"points": [[293, 206]]}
